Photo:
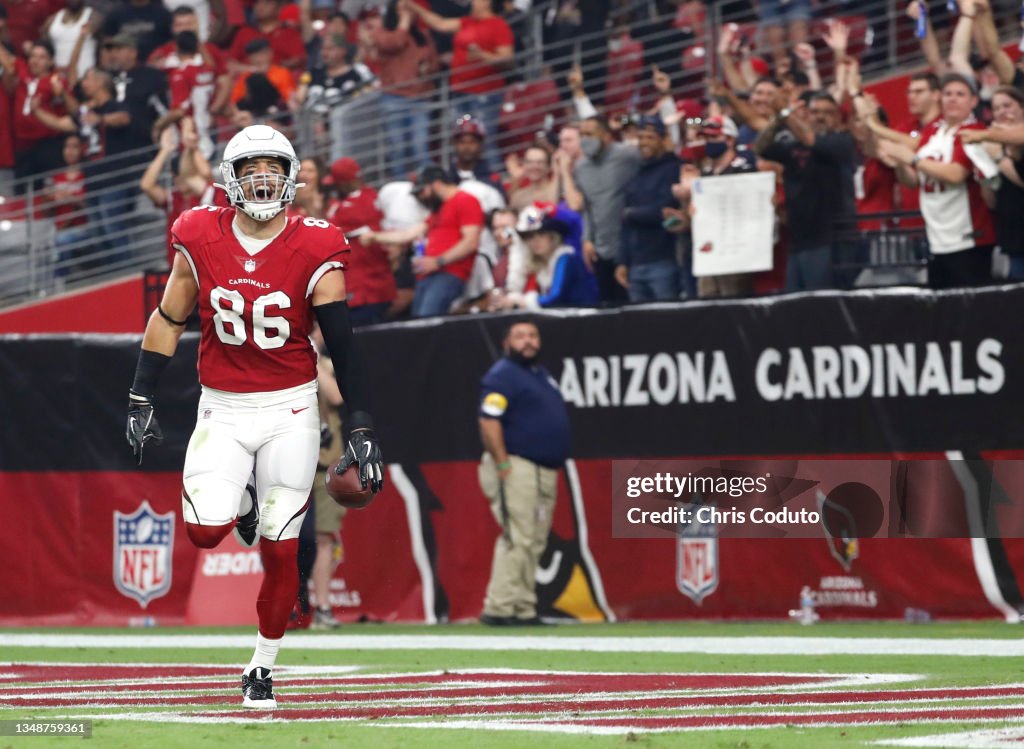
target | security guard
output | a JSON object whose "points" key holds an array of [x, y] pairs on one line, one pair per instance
{"points": [[524, 426]]}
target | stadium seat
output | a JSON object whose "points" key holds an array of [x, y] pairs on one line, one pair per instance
{"points": [[526, 109]]}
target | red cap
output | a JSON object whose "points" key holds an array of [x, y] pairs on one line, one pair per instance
{"points": [[689, 108], [469, 125], [345, 170], [289, 15], [719, 124]]}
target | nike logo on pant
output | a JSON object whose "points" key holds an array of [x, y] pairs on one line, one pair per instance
{"points": [[299, 410]]}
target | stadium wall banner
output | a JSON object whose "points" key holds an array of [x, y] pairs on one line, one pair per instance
{"points": [[886, 375]]}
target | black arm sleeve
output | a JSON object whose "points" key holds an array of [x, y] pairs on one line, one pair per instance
{"points": [[336, 327], [147, 372]]}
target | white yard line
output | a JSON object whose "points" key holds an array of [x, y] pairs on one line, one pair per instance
{"points": [[708, 645], [998, 738]]}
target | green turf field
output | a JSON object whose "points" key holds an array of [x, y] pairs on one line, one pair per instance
{"points": [[674, 684]]}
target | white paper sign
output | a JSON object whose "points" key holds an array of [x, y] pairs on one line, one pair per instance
{"points": [[733, 224]]}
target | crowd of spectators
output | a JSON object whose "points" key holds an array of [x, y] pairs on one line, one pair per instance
{"points": [[593, 205]]}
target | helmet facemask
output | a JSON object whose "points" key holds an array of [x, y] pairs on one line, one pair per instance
{"points": [[261, 195]]}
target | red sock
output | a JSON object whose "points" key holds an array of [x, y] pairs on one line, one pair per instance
{"points": [[208, 536], [280, 587]]}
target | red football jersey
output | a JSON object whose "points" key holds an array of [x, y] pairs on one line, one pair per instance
{"points": [[255, 310]]}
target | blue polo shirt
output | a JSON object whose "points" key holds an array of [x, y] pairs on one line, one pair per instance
{"points": [[529, 405]]}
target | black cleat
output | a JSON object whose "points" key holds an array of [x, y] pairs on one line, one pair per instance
{"points": [[258, 689], [248, 525]]}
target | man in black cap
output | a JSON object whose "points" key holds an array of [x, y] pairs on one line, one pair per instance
{"points": [[808, 140], [646, 264], [143, 89], [147, 21], [444, 261]]}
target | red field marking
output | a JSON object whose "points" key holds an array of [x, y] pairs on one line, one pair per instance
{"points": [[517, 700], [505, 684], [523, 700], [803, 719]]}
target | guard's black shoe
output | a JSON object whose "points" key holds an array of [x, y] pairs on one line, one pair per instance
{"points": [[248, 525], [533, 621], [497, 621], [258, 689]]}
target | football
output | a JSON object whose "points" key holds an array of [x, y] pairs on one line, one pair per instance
{"points": [[346, 489]]}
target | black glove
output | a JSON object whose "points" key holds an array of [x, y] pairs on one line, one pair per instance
{"points": [[326, 436], [364, 450], [142, 425]]}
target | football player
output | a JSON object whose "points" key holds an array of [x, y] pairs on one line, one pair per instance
{"points": [[259, 278]]}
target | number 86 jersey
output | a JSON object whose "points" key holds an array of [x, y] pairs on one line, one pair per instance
{"points": [[255, 306]]}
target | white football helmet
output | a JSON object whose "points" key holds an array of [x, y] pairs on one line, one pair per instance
{"points": [[271, 193]]}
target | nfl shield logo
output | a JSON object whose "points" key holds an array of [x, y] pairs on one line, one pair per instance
{"points": [[697, 561], [143, 543], [250, 266]]}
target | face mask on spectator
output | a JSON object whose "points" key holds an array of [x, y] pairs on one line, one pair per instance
{"points": [[591, 147], [714, 149]]}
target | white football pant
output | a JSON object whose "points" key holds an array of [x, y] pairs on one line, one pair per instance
{"points": [[275, 436]]}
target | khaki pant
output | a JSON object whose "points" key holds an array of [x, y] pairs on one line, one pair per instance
{"points": [[529, 493], [327, 512]]}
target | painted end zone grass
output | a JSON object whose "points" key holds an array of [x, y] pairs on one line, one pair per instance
{"points": [[412, 702]]}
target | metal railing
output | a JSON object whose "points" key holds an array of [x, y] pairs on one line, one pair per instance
{"points": [[36, 260]]}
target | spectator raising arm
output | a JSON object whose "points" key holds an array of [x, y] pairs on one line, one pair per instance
{"points": [[766, 137], [866, 107], [960, 46], [666, 106], [989, 45], [563, 164], [150, 182], [798, 126], [805, 54], [742, 107], [433, 20], [580, 101], [194, 164], [727, 41], [837, 39], [929, 44]]}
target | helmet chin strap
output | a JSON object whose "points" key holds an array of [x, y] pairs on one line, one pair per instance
{"points": [[269, 209]]}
